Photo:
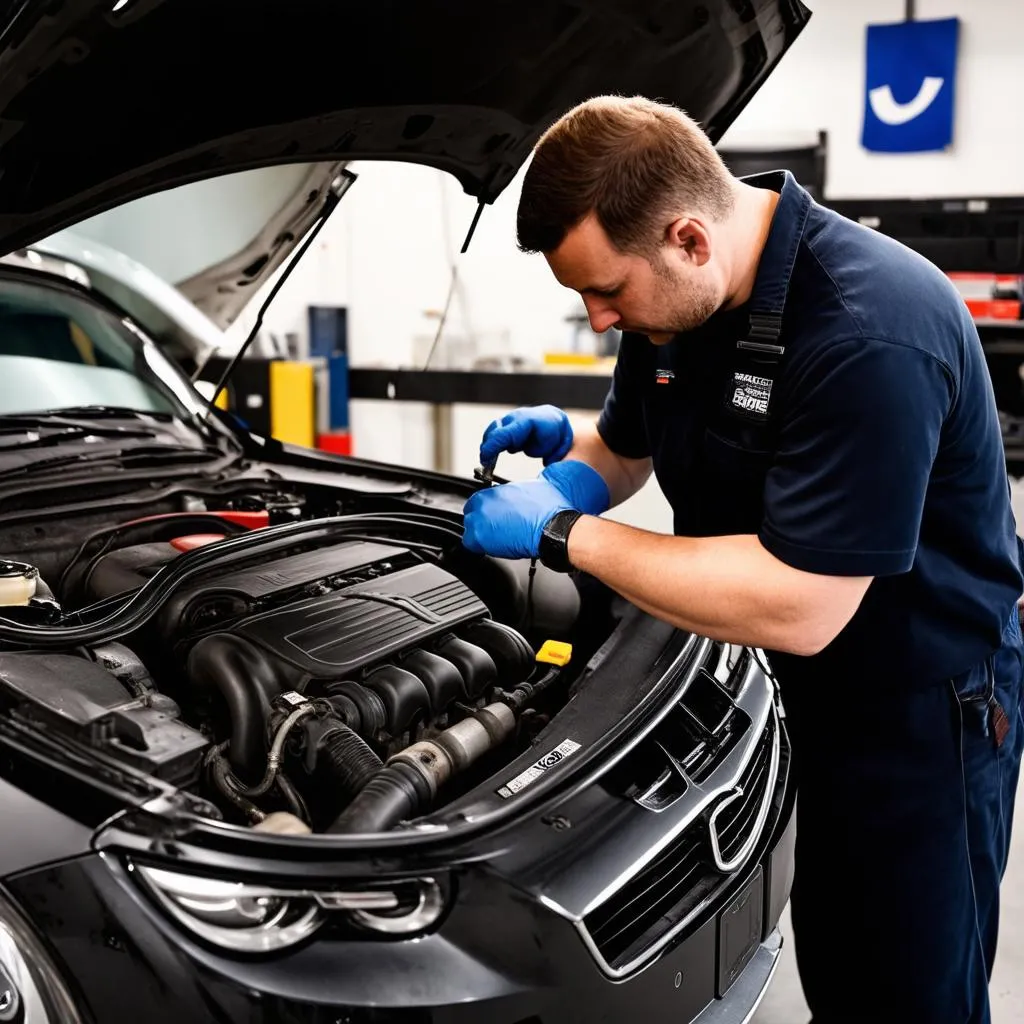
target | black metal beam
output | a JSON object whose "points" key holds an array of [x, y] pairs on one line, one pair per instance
{"points": [[450, 387], [1002, 340], [806, 163], [1003, 343]]}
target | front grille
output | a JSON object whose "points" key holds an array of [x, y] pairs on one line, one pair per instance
{"points": [[733, 825], [666, 892], [692, 740], [715, 724], [668, 889]]}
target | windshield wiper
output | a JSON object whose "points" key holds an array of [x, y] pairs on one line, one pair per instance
{"points": [[122, 457], [17, 423], [100, 412], [64, 435], [109, 412]]}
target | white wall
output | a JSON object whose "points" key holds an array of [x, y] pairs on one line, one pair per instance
{"points": [[387, 253], [819, 84]]}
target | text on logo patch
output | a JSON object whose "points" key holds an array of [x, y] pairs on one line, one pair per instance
{"points": [[750, 393]]}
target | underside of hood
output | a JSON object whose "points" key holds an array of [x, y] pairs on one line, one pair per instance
{"points": [[102, 101]]}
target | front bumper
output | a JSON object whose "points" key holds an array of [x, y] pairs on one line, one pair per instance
{"points": [[499, 958], [745, 996], [606, 906]]}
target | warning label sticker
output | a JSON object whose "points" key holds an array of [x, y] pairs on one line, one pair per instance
{"points": [[538, 768], [751, 394]]}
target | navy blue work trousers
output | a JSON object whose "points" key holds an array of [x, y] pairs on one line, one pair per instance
{"points": [[904, 812]]}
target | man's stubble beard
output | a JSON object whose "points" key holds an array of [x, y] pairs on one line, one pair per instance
{"points": [[701, 302]]}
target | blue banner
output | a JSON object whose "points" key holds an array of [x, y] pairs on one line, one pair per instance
{"points": [[910, 86]]}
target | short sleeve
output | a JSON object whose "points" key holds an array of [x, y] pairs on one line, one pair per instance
{"points": [[621, 423], [846, 492]]}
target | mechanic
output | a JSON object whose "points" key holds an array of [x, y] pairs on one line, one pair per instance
{"points": [[814, 402]]}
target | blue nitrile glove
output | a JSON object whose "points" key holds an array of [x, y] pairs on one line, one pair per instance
{"points": [[507, 521], [581, 485], [541, 431]]}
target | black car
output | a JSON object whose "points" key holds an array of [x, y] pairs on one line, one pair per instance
{"points": [[273, 745]]}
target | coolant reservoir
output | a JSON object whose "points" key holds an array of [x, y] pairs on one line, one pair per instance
{"points": [[18, 582]]}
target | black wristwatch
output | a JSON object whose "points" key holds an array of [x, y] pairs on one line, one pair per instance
{"points": [[553, 549]]}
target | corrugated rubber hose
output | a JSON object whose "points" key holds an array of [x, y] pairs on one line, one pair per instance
{"points": [[351, 763]]}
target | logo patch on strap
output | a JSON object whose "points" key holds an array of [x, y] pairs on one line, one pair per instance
{"points": [[751, 394]]}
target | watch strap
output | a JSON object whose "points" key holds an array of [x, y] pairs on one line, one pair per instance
{"points": [[553, 550]]}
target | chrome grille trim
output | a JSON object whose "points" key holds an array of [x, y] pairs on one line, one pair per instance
{"points": [[728, 866], [725, 777], [757, 701]]}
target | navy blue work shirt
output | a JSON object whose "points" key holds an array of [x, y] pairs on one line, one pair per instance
{"points": [[881, 454]]}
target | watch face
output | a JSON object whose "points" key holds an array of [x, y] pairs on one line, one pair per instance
{"points": [[554, 547]]}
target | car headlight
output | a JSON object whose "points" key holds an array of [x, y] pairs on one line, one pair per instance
{"points": [[417, 906], [249, 918], [31, 988]]}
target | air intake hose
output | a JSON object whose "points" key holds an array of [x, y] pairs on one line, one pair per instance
{"points": [[349, 761], [242, 675], [396, 793], [408, 783], [361, 709]]}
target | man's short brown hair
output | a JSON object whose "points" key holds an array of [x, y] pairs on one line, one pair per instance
{"points": [[635, 163]]}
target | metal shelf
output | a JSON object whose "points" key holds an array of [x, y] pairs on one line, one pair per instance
{"points": [[983, 234]]}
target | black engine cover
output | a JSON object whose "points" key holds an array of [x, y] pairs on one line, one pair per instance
{"points": [[334, 635]]}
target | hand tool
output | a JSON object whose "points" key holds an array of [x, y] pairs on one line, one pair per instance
{"points": [[485, 473]]}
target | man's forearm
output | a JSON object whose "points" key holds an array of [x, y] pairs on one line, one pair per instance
{"points": [[727, 588], [624, 477]]}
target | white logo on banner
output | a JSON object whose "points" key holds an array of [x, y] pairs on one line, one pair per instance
{"points": [[888, 110]]}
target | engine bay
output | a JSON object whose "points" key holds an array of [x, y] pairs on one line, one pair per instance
{"points": [[298, 670]]}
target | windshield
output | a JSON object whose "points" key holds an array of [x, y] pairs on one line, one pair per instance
{"points": [[59, 350]]}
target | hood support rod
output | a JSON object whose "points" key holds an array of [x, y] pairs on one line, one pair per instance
{"points": [[341, 184]]}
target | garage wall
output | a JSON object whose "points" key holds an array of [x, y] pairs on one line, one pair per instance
{"points": [[820, 83], [388, 253]]}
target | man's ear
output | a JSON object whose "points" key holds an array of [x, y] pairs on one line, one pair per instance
{"points": [[690, 238]]}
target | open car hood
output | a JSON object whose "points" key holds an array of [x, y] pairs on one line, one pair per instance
{"points": [[186, 273], [102, 101]]}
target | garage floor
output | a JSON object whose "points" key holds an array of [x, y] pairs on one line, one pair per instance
{"points": [[784, 1002]]}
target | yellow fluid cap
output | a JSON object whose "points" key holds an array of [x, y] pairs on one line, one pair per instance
{"points": [[555, 652]]}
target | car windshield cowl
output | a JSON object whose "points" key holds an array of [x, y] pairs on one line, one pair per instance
{"points": [[51, 428], [154, 455], [99, 412]]}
